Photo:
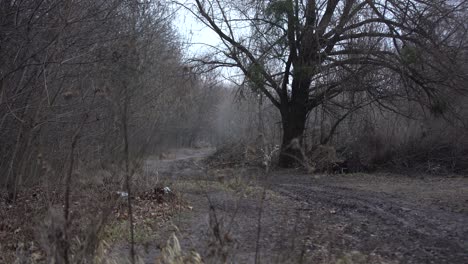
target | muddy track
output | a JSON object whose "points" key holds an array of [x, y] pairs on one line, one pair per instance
{"points": [[379, 223], [386, 218]]}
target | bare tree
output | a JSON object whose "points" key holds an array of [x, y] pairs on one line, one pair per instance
{"points": [[301, 54]]}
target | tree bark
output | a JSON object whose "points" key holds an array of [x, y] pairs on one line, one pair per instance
{"points": [[293, 119], [294, 111]]}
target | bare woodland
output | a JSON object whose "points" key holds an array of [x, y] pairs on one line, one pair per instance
{"points": [[93, 91], [341, 56]]}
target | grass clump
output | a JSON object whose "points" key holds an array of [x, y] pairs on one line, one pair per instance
{"points": [[172, 253]]}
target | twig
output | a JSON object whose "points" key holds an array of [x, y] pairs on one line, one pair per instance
{"points": [[68, 178]]}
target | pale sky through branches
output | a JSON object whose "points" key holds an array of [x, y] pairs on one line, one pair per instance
{"points": [[195, 33], [199, 39]]}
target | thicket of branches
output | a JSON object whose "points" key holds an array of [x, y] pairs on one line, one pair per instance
{"points": [[340, 56], [102, 83], [91, 70]]}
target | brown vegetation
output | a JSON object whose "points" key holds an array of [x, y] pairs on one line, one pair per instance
{"points": [[98, 99]]}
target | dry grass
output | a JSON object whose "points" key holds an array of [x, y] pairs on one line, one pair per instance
{"points": [[172, 253], [32, 228]]}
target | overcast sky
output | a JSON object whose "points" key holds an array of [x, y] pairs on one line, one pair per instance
{"points": [[194, 32], [197, 36]]}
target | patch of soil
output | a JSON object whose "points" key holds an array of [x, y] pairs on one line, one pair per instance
{"points": [[392, 216]]}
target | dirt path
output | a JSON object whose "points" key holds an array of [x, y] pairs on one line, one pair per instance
{"points": [[394, 226], [360, 218]]}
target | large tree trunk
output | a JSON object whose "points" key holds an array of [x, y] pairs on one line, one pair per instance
{"points": [[293, 117], [293, 120]]}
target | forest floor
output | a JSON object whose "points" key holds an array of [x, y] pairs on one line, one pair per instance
{"points": [[245, 215], [241, 215]]}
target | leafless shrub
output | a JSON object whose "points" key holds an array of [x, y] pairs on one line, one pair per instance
{"points": [[324, 158]]}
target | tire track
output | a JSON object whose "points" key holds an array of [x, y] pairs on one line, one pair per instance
{"points": [[410, 232]]}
